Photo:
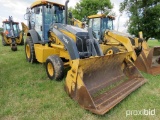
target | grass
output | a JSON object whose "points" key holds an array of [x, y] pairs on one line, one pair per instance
{"points": [[153, 43], [26, 93]]}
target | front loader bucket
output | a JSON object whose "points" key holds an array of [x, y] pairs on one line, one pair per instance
{"points": [[149, 61], [99, 83]]}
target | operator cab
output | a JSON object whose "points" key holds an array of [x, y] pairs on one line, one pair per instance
{"points": [[11, 29], [43, 15], [99, 24]]}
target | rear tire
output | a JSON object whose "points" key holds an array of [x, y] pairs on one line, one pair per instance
{"points": [[54, 67], [3, 42], [29, 50]]}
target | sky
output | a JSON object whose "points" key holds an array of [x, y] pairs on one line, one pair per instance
{"points": [[17, 9]]}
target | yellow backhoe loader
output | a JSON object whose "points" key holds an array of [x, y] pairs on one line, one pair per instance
{"points": [[95, 81], [146, 59], [11, 34], [78, 23]]}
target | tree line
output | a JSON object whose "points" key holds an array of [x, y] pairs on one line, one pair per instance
{"points": [[144, 15]]}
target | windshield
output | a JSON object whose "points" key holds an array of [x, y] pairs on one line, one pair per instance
{"points": [[96, 27], [107, 23], [53, 14], [11, 30], [96, 24], [8, 26], [43, 17], [16, 29]]}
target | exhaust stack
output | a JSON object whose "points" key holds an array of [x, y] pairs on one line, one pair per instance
{"points": [[66, 11]]}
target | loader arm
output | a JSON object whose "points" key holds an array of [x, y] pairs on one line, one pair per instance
{"points": [[145, 58], [77, 23], [121, 40]]}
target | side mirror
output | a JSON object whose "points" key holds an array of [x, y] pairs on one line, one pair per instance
{"points": [[70, 15], [27, 15]]}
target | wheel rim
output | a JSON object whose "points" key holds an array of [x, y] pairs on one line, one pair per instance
{"points": [[50, 69], [28, 51], [8, 41], [18, 41], [110, 52]]}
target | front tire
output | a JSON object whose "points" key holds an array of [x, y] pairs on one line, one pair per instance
{"points": [[29, 50], [112, 50], [54, 67]]}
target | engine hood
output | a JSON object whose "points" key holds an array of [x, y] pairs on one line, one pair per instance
{"points": [[121, 34], [72, 29]]}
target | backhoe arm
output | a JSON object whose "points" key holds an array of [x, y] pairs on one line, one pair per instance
{"points": [[24, 28]]}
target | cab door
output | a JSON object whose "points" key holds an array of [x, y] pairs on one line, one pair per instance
{"points": [[36, 20], [95, 24]]}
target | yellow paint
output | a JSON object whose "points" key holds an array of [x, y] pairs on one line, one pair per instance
{"points": [[97, 16], [42, 52], [125, 41], [136, 42], [80, 82], [104, 47], [57, 46], [110, 52], [77, 23], [55, 39], [18, 40], [24, 28], [70, 35], [145, 45], [101, 16], [28, 51], [50, 69], [43, 2], [72, 75], [8, 41], [140, 34], [64, 54]]}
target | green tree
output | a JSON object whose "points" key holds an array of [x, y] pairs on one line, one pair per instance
{"points": [[143, 16], [91, 7]]}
